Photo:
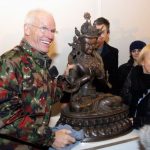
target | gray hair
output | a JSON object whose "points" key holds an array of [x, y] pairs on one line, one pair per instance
{"points": [[33, 14]]}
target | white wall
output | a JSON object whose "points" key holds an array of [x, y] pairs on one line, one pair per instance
{"points": [[67, 13], [129, 21]]}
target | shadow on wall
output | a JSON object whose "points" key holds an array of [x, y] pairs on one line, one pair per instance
{"points": [[52, 53]]}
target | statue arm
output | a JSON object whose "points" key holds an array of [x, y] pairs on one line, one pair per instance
{"points": [[75, 79]]}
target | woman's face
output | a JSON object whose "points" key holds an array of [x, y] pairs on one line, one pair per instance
{"points": [[135, 54], [90, 45], [146, 63]]}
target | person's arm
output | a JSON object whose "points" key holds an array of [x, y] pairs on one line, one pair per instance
{"points": [[13, 113], [10, 102]]}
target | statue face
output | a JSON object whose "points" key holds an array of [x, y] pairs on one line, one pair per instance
{"points": [[90, 45]]}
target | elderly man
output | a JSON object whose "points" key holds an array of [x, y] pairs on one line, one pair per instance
{"points": [[27, 89]]}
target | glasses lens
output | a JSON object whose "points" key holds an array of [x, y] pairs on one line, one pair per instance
{"points": [[136, 50]]}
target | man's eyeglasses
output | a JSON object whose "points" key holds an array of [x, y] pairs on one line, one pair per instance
{"points": [[44, 29]]}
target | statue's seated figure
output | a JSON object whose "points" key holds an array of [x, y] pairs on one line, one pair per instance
{"points": [[86, 104], [88, 66]]}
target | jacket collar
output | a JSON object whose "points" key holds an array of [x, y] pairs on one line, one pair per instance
{"points": [[42, 59]]}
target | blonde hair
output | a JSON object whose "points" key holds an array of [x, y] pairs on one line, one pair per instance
{"points": [[143, 53]]}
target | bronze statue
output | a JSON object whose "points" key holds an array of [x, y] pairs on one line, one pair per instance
{"points": [[100, 115]]}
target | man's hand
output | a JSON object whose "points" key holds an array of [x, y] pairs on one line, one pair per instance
{"points": [[68, 68], [62, 138]]}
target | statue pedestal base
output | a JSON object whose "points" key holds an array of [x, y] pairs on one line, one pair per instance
{"points": [[100, 125]]}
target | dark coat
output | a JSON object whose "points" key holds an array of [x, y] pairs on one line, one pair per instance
{"points": [[122, 74], [134, 90], [110, 59]]}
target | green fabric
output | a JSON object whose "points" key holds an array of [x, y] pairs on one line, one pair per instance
{"points": [[26, 94]]}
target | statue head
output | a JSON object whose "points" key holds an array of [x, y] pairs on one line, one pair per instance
{"points": [[85, 40], [87, 29]]}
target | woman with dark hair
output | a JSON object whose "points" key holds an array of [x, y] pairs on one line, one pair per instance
{"points": [[136, 90], [124, 69]]}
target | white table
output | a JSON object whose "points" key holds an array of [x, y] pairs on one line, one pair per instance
{"points": [[126, 142]]}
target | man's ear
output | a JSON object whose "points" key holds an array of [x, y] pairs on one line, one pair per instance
{"points": [[107, 38], [27, 29]]}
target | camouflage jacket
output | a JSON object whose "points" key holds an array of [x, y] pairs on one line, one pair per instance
{"points": [[26, 95]]}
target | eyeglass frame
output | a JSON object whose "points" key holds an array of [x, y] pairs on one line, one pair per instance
{"points": [[135, 50], [45, 29]]}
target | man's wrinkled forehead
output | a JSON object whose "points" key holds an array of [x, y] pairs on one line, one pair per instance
{"points": [[46, 20]]}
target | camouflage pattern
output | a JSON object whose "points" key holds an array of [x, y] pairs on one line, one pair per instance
{"points": [[26, 95]]}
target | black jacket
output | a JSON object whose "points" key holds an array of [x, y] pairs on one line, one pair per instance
{"points": [[134, 90], [110, 59], [122, 74]]}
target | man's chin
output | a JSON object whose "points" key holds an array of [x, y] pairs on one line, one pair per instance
{"points": [[44, 50]]}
